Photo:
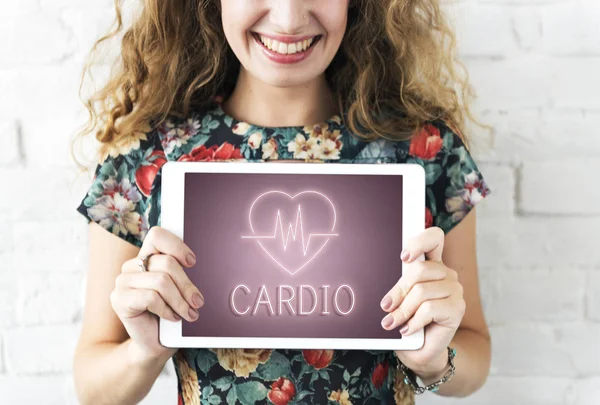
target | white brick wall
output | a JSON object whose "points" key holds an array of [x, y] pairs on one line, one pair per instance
{"points": [[534, 64]]}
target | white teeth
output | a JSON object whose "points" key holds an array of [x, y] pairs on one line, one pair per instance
{"points": [[284, 48]]}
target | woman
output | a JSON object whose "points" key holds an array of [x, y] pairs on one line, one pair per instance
{"points": [[279, 80]]}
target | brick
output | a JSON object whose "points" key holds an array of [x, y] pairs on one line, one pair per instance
{"points": [[523, 82], [567, 133], [533, 350], [571, 28], [90, 6], [487, 287], [11, 8], [88, 27], [593, 296], [40, 146], [7, 248], [470, 20], [2, 368], [10, 139], [481, 141], [51, 246], [39, 350], [558, 296], [62, 291], [8, 298], [566, 350], [560, 187], [527, 27], [537, 135], [575, 82], [515, 133], [586, 391], [511, 390], [40, 92], [515, 83], [538, 242], [35, 196], [34, 39], [581, 341], [32, 389]]}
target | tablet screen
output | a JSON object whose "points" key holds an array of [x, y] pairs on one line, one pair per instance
{"points": [[292, 255]]}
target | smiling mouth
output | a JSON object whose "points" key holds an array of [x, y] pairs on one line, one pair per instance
{"points": [[286, 48]]}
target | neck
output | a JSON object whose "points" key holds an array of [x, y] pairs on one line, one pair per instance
{"points": [[259, 103]]}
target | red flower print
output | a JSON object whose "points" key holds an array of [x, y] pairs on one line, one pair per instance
{"points": [[282, 391], [428, 217], [198, 154], [317, 358], [477, 185], [145, 174], [427, 143], [215, 152], [227, 151], [380, 374]]}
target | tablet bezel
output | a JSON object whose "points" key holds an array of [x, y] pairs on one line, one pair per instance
{"points": [[172, 209]]}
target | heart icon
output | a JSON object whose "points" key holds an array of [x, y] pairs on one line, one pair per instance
{"points": [[292, 230]]}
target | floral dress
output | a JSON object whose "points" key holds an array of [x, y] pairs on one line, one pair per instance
{"points": [[124, 198]]}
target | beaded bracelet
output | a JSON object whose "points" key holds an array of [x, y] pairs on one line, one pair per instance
{"points": [[410, 377]]}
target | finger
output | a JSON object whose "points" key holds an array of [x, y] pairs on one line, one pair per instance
{"points": [[412, 273], [419, 294], [429, 242], [130, 302], [159, 240], [168, 264], [162, 283], [445, 312]]}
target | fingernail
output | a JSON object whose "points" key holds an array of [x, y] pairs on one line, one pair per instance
{"points": [[197, 300], [404, 255], [191, 259], [404, 329], [387, 321], [193, 313], [386, 302], [177, 317]]}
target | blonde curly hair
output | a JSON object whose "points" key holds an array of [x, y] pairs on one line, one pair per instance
{"points": [[395, 70]]}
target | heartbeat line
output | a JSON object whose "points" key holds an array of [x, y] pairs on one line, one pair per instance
{"points": [[292, 231]]}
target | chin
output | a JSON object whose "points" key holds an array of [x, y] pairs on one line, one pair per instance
{"points": [[283, 79]]}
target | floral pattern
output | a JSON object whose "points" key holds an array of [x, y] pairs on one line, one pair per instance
{"points": [[124, 198]]}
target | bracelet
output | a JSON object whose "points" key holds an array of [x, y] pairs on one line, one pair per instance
{"points": [[410, 377]]}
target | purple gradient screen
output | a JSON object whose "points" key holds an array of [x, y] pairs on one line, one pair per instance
{"points": [[293, 255]]}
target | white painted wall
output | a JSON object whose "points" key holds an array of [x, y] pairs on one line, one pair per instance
{"points": [[535, 65]]}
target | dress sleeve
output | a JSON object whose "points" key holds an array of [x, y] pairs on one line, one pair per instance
{"points": [[124, 196], [454, 183]]}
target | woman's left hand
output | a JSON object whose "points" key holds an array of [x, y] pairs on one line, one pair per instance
{"points": [[428, 295]]}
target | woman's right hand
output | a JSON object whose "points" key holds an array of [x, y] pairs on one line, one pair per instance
{"points": [[165, 291]]}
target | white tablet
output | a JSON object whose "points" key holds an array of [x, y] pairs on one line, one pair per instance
{"points": [[292, 256]]}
